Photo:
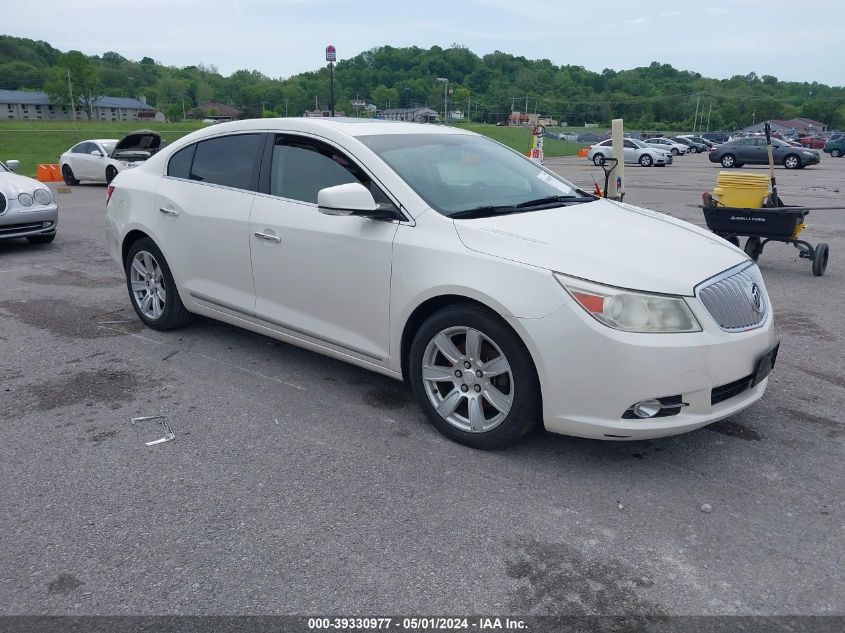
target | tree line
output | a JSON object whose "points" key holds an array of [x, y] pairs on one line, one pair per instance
{"points": [[485, 88]]}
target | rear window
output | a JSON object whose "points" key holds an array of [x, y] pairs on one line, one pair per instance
{"points": [[180, 163], [228, 161]]}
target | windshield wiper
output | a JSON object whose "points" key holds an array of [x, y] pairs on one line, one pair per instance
{"points": [[484, 212], [552, 200]]}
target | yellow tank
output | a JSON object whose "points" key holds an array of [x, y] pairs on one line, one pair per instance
{"points": [[741, 189]]}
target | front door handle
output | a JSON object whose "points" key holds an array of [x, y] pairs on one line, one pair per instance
{"points": [[268, 237], [172, 212]]}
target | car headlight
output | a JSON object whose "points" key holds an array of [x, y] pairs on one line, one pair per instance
{"points": [[25, 199], [42, 197], [631, 311]]}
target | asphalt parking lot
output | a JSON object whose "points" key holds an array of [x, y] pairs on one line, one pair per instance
{"points": [[298, 484]]}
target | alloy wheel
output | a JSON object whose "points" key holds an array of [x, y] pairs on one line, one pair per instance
{"points": [[148, 287], [467, 379]]}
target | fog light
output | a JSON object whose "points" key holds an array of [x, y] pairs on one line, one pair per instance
{"points": [[647, 408], [46, 224]]}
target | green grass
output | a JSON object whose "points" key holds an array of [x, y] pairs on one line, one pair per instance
{"points": [[35, 142], [519, 138]]}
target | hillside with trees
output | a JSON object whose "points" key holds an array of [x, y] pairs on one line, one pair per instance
{"points": [[486, 88]]}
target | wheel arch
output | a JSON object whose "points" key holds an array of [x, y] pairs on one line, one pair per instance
{"points": [[434, 304], [129, 239]]}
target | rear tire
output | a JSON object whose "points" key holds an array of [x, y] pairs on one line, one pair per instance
{"points": [[67, 175], [152, 291], [111, 172], [728, 161], [820, 259], [487, 411]]}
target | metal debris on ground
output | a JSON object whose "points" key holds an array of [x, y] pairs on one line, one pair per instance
{"points": [[171, 354], [707, 508], [168, 432], [115, 322]]}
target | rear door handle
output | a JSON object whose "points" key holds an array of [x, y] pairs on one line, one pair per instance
{"points": [[172, 212], [269, 237]]}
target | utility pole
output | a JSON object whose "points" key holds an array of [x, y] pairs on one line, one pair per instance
{"points": [[468, 107], [695, 120], [70, 89], [183, 108], [286, 106], [445, 83], [708, 115]]}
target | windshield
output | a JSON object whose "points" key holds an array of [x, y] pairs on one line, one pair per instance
{"points": [[639, 144], [109, 146], [456, 172]]}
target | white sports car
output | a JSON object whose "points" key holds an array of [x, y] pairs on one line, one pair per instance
{"points": [[503, 294], [101, 159], [27, 208]]}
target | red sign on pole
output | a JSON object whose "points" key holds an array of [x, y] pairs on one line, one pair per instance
{"points": [[331, 53]]}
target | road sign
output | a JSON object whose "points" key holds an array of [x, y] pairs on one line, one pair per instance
{"points": [[331, 53]]}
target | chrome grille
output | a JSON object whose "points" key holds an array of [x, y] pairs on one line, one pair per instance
{"points": [[2, 204], [732, 298]]}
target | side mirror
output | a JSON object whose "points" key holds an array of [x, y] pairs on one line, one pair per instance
{"points": [[96, 152], [14, 165], [352, 199]]}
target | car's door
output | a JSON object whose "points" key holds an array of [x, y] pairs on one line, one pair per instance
{"points": [[201, 215], [630, 150], [323, 277], [82, 161]]}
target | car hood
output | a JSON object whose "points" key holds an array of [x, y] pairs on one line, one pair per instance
{"points": [[12, 184], [607, 242], [142, 140]]}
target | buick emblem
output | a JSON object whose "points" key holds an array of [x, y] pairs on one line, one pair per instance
{"points": [[756, 297]]}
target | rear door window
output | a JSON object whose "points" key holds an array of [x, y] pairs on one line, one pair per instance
{"points": [[180, 163], [228, 160]]}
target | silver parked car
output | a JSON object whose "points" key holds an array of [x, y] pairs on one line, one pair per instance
{"points": [[635, 152], [27, 208]]}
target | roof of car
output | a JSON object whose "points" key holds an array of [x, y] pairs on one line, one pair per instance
{"points": [[347, 126]]}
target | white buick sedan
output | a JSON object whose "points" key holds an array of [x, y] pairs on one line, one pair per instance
{"points": [[503, 294]]}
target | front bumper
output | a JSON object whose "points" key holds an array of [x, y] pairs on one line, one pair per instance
{"points": [[43, 220], [591, 374]]}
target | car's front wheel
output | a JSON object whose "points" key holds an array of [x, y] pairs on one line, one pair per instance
{"points": [[474, 378], [151, 287], [792, 162], [645, 160], [67, 175]]}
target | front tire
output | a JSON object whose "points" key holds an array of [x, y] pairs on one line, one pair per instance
{"points": [[792, 162], [835, 153], [474, 378], [646, 160], [728, 160], [151, 287], [674, 151], [67, 175], [753, 247], [111, 172], [598, 160]]}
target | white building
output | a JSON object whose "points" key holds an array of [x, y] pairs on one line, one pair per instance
{"points": [[36, 106]]}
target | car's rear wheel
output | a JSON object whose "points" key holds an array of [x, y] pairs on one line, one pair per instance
{"points": [[41, 239], [835, 153], [111, 172], [67, 175], [792, 162], [728, 160], [598, 159], [474, 378], [646, 160], [151, 287]]}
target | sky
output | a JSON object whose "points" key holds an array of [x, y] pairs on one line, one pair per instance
{"points": [[794, 40]]}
